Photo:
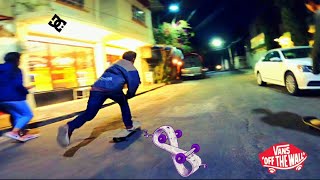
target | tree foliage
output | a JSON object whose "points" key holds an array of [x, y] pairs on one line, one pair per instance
{"points": [[268, 23], [175, 34], [293, 16]]}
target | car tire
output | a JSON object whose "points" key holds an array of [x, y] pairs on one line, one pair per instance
{"points": [[203, 76], [291, 84], [259, 80]]}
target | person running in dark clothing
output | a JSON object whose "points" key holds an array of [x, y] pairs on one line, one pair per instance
{"points": [[13, 95], [109, 85]]}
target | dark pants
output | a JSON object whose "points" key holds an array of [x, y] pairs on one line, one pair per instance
{"points": [[95, 102]]}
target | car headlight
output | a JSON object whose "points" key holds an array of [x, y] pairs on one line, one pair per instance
{"points": [[304, 68]]}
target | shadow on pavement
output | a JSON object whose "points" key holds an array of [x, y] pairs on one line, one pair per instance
{"points": [[191, 78], [125, 144], [286, 120], [7, 144], [97, 131]]}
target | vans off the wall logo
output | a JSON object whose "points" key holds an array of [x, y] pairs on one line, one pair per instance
{"points": [[283, 156]]}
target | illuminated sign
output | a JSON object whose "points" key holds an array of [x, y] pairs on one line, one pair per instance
{"points": [[257, 41]]}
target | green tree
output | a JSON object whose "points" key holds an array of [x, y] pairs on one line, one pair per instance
{"points": [[268, 23], [177, 35], [293, 16]]}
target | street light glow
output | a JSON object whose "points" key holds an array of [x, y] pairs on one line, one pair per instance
{"points": [[217, 42], [174, 61], [174, 8]]}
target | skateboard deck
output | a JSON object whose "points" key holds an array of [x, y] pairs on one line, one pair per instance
{"points": [[312, 121], [123, 134]]}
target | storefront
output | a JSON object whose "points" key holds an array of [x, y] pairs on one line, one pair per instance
{"points": [[56, 69], [113, 54], [61, 63]]}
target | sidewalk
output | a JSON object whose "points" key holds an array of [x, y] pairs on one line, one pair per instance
{"points": [[57, 112]]}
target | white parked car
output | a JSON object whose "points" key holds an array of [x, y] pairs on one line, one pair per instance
{"points": [[289, 67]]}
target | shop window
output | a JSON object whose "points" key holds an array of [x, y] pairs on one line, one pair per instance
{"points": [[39, 66], [63, 70], [138, 15], [54, 66], [84, 66], [112, 58]]}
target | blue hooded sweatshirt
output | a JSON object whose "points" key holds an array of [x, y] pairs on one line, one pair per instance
{"points": [[116, 76], [11, 83]]}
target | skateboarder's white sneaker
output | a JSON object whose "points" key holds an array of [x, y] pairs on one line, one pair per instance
{"points": [[63, 137], [135, 125]]}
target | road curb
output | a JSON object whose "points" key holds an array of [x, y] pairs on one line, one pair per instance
{"points": [[61, 118]]}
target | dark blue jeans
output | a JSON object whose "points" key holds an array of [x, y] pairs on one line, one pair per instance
{"points": [[95, 102]]}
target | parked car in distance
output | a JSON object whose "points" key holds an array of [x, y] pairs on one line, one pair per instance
{"points": [[193, 66], [288, 67]]}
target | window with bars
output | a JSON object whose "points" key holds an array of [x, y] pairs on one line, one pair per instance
{"points": [[138, 15], [75, 3]]}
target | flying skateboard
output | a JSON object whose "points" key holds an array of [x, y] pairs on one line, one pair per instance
{"points": [[123, 134], [312, 122], [33, 133]]}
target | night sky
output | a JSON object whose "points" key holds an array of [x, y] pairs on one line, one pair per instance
{"points": [[227, 19]]}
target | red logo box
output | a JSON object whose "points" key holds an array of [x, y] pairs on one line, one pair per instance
{"points": [[283, 156]]}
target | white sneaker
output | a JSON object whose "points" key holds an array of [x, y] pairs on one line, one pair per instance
{"points": [[63, 137]]}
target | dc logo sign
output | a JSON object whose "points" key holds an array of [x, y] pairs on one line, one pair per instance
{"points": [[57, 23]]}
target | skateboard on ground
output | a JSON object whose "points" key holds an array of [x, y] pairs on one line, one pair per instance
{"points": [[312, 122], [123, 134]]}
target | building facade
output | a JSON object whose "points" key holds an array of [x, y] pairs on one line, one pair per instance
{"points": [[95, 35]]}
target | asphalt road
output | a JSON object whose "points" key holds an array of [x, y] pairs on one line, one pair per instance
{"points": [[227, 114]]}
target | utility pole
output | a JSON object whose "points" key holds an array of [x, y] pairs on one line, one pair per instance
{"points": [[230, 58]]}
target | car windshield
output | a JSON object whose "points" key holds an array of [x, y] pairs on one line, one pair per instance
{"points": [[296, 53], [192, 62]]}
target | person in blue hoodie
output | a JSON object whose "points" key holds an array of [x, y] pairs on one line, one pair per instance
{"points": [[13, 95], [109, 85]]}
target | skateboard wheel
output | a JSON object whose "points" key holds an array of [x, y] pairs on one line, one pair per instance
{"points": [[178, 133], [180, 158], [272, 170], [196, 147], [162, 138]]}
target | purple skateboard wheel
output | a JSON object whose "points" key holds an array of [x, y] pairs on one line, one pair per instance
{"points": [[162, 138], [196, 147], [178, 133], [180, 158]]}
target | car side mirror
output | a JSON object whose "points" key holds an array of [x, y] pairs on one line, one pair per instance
{"points": [[275, 59]]}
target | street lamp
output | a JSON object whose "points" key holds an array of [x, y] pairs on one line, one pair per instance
{"points": [[174, 8], [217, 42]]}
